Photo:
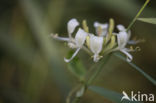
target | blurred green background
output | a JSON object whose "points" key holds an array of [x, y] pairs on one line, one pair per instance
{"points": [[32, 69]]}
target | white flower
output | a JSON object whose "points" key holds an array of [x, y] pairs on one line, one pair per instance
{"points": [[76, 42], [96, 44], [71, 25], [122, 40], [101, 29], [79, 41], [121, 27]]}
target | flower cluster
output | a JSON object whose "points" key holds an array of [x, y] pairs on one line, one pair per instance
{"points": [[105, 41]]}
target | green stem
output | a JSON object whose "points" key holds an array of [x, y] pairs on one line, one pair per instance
{"points": [[92, 78], [138, 14]]}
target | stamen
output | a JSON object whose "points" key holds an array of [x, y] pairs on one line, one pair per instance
{"points": [[138, 48], [55, 36], [131, 49]]}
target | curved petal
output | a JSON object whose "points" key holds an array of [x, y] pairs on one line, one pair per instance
{"points": [[75, 53], [96, 44], [122, 39], [71, 25], [80, 37], [129, 56], [121, 27]]}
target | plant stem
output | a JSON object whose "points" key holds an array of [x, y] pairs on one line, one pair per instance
{"points": [[138, 14], [92, 78]]}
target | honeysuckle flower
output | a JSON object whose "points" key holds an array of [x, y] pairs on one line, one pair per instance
{"points": [[104, 42], [71, 25], [79, 41], [96, 44], [122, 28], [101, 29], [122, 40], [76, 42]]}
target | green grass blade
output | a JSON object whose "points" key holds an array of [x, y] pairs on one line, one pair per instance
{"points": [[137, 68], [148, 20], [113, 96]]}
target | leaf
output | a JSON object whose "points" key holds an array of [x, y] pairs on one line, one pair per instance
{"points": [[137, 68], [76, 67], [148, 20], [110, 95]]}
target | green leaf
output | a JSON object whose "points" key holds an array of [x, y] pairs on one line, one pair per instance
{"points": [[76, 67], [148, 20], [137, 68], [110, 95]]}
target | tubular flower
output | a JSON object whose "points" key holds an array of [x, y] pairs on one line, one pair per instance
{"points": [[122, 40], [71, 25], [96, 46], [76, 42], [105, 42], [79, 41]]}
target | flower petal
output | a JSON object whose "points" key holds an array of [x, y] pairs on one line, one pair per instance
{"points": [[71, 25], [121, 27], [75, 53], [101, 29], [129, 56], [122, 39], [80, 37], [96, 44]]}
